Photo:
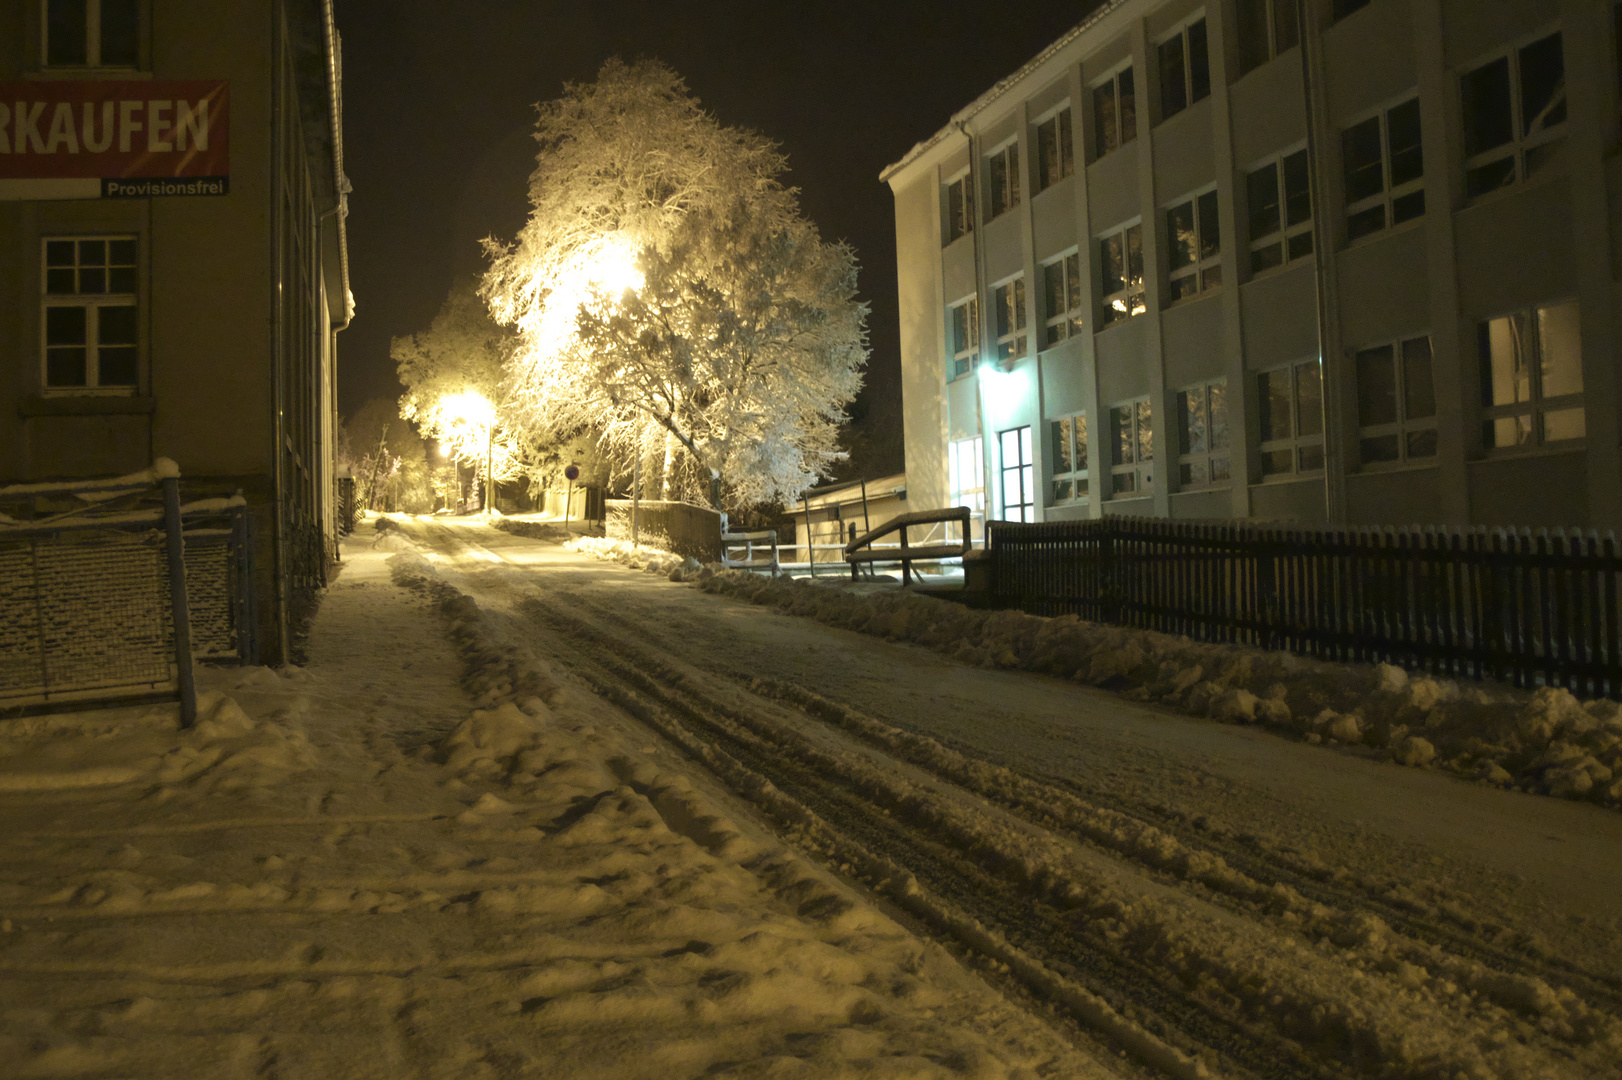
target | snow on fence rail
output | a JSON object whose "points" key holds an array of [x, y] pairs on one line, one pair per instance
{"points": [[88, 600], [1527, 608]]}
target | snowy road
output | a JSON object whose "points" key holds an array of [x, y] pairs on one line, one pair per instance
{"points": [[1200, 896]]}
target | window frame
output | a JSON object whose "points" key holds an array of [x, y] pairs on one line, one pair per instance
{"points": [[1286, 238], [1519, 146], [1113, 81], [1206, 269], [1009, 302], [1074, 437], [1024, 470], [1110, 313], [1410, 192], [1212, 458], [963, 361], [1537, 405], [1008, 153], [961, 224], [1062, 121], [1271, 48], [1141, 468], [1060, 325], [94, 38], [1190, 85], [92, 303], [1296, 442], [1404, 427]]}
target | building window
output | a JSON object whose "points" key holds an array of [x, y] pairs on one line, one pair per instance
{"points": [[1069, 458], [1195, 242], [1202, 423], [1018, 475], [1132, 447], [959, 206], [89, 314], [1115, 113], [1266, 29], [966, 479], [1055, 156], [92, 33], [1002, 169], [1513, 109], [1396, 402], [965, 336], [1291, 414], [1061, 299], [1385, 170], [1342, 8], [1120, 260], [1185, 69], [1532, 377], [1280, 212], [1009, 301]]}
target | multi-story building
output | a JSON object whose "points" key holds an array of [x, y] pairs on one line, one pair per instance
{"points": [[173, 269], [1299, 260]]}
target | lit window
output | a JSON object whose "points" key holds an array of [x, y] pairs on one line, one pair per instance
{"points": [[1002, 172], [91, 33], [1514, 107], [1291, 419], [1120, 260], [1115, 113], [1061, 299], [1185, 69], [89, 314], [1202, 423], [1195, 242], [1008, 300], [959, 206], [965, 336], [1280, 212], [1396, 402], [1266, 29], [1069, 434], [1532, 377], [1055, 156], [1132, 447], [966, 480], [1018, 475], [1385, 170]]}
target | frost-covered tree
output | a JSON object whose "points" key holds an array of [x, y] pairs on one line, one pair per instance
{"points": [[387, 458], [666, 279]]}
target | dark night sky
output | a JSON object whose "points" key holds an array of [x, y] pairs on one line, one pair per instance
{"points": [[439, 108]]}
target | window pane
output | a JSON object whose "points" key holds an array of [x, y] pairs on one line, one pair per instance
{"points": [[1543, 85], [1124, 483], [999, 184], [1072, 276], [1063, 459], [1309, 417], [1122, 446], [1419, 393], [1067, 156], [1507, 431], [65, 367], [1146, 433], [1193, 473], [1485, 93], [1111, 265], [1199, 63], [66, 32], [1252, 32], [60, 280], [1379, 448], [1081, 441], [1180, 237], [65, 325], [1300, 245], [1422, 444], [960, 328], [1377, 387], [1365, 222], [1360, 149], [1275, 462], [1489, 177], [1134, 256], [1009, 441], [1191, 422], [1297, 194], [1407, 154], [1019, 304], [1184, 287], [1564, 424], [1173, 78], [120, 32], [1407, 207], [1506, 378], [1311, 457], [1219, 415], [121, 279], [1286, 34], [1129, 107], [1061, 490], [59, 252], [1261, 189], [1053, 290], [1210, 227], [1560, 350], [115, 326], [1265, 258], [1106, 136], [116, 366], [954, 211]]}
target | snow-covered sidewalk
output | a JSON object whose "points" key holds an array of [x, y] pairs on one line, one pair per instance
{"points": [[349, 870]]}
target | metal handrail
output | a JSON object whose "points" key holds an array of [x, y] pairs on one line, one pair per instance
{"points": [[906, 553]]}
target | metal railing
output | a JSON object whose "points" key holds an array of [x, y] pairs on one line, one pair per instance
{"points": [[861, 549]]}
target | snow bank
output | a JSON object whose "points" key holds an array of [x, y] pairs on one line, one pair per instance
{"points": [[1546, 741], [650, 560]]}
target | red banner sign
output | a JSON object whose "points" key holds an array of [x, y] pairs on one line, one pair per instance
{"points": [[112, 131]]}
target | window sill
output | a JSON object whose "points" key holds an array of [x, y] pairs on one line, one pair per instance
{"points": [[1381, 234], [1567, 446], [62, 74], [1290, 478], [86, 405], [1201, 490], [1384, 468]]}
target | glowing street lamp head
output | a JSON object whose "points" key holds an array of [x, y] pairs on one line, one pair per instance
{"points": [[612, 268], [469, 407]]}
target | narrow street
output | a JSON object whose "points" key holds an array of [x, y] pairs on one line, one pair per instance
{"points": [[525, 813]]}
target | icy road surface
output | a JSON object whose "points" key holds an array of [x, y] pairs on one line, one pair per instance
{"points": [[687, 836]]}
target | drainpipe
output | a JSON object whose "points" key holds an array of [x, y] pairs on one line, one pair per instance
{"points": [[988, 492]]}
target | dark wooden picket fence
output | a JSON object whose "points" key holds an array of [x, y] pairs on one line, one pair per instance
{"points": [[1533, 608]]}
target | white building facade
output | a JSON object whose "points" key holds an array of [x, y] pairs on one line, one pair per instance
{"points": [[1317, 261]]}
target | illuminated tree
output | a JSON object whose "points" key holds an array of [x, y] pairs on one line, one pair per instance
{"points": [[667, 280]]}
